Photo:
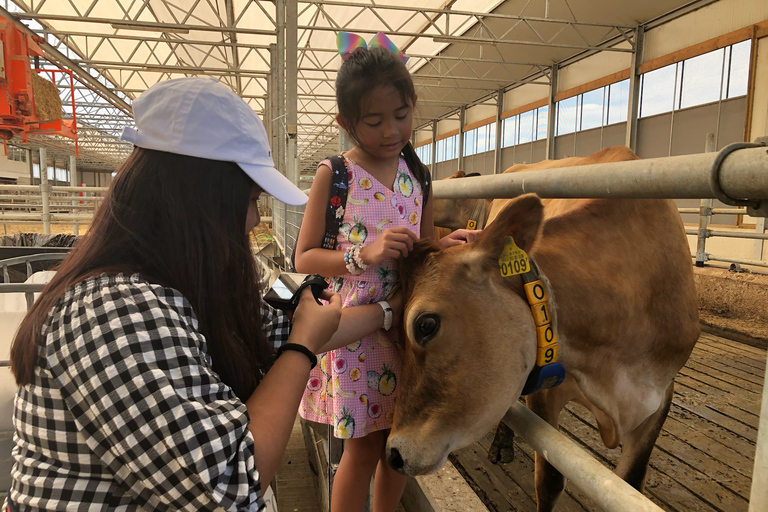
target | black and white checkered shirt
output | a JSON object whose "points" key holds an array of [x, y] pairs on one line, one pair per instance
{"points": [[125, 412]]}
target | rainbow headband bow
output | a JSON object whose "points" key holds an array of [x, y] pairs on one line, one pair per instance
{"points": [[348, 43]]}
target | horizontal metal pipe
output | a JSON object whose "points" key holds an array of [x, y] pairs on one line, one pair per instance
{"points": [[744, 174], [21, 287], [756, 263], [716, 211], [21, 188], [90, 190], [730, 234], [608, 491], [18, 260], [37, 217]]}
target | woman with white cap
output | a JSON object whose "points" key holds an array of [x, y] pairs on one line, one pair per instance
{"points": [[146, 369]]}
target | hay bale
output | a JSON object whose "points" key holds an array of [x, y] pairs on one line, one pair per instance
{"points": [[46, 97]]}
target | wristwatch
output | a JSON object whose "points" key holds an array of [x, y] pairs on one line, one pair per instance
{"points": [[387, 314]]}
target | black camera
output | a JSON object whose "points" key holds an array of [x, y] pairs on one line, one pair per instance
{"points": [[286, 291]]}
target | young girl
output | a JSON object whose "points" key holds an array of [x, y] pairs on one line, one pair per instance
{"points": [[354, 388]]}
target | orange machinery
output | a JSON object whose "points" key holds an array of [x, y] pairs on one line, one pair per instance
{"points": [[17, 101]]}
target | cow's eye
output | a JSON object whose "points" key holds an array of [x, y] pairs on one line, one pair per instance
{"points": [[426, 327]]}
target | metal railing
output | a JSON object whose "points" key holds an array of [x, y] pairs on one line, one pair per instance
{"points": [[28, 289], [46, 204]]}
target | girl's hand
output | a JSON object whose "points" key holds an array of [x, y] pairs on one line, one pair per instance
{"points": [[458, 237], [314, 324], [393, 243]]}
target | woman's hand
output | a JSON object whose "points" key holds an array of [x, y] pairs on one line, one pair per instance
{"points": [[314, 324], [393, 243], [459, 237]]}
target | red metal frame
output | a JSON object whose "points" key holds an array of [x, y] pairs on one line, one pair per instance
{"points": [[17, 113]]}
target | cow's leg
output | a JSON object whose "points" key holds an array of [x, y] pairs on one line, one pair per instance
{"points": [[637, 445], [550, 483]]}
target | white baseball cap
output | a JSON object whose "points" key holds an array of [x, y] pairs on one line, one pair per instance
{"points": [[200, 117]]}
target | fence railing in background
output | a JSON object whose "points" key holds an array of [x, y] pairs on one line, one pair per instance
{"points": [[703, 232], [26, 204]]}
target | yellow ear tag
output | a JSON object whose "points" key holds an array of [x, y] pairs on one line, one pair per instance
{"points": [[513, 259]]}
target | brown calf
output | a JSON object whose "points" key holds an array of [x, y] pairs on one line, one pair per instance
{"points": [[624, 305]]}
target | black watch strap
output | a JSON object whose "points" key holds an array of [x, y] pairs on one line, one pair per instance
{"points": [[298, 348]]}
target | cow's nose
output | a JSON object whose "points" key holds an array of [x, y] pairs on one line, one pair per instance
{"points": [[395, 459]]}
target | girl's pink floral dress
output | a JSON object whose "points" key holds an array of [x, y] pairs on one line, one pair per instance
{"points": [[354, 388]]}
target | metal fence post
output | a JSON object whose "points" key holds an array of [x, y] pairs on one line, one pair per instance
{"points": [[758, 498], [73, 182], [45, 190], [705, 210]]}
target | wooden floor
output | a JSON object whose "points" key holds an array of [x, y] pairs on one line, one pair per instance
{"points": [[703, 458]]}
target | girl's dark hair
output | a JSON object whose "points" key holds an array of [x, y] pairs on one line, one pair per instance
{"points": [[179, 221], [362, 72]]}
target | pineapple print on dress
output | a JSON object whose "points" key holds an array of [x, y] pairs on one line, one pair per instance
{"points": [[387, 381], [359, 394], [345, 425]]}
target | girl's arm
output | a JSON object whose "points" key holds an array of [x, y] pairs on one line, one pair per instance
{"points": [[458, 237], [360, 321], [311, 258]]}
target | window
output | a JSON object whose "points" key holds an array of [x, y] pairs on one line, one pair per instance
{"points": [[61, 174], [701, 79], [509, 132], [542, 115], [738, 70], [470, 142], [425, 153], [618, 102], [592, 109], [719, 74], [17, 154], [658, 95], [526, 127], [566, 116], [448, 148]]}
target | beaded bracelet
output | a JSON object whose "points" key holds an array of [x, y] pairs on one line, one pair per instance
{"points": [[349, 261], [358, 260], [298, 348]]}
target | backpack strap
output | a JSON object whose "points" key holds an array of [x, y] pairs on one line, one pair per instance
{"points": [[427, 184], [337, 199], [337, 202]]}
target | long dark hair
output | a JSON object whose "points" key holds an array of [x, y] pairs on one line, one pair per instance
{"points": [[180, 222], [360, 74]]}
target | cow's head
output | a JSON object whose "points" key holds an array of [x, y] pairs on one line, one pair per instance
{"points": [[470, 341]]}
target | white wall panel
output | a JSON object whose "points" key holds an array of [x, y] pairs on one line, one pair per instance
{"points": [[13, 169], [712, 21], [447, 125], [592, 68], [478, 113], [524, 95]]}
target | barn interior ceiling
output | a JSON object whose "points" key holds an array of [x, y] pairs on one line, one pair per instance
{"points": [[461, 53]]}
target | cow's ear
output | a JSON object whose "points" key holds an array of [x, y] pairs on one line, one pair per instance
{"points": [[408, 267], [520, 219]]}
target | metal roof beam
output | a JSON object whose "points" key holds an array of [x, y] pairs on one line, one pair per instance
{"points": [[475, 14], [63, 61], [440, 38], [178, 28]]}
